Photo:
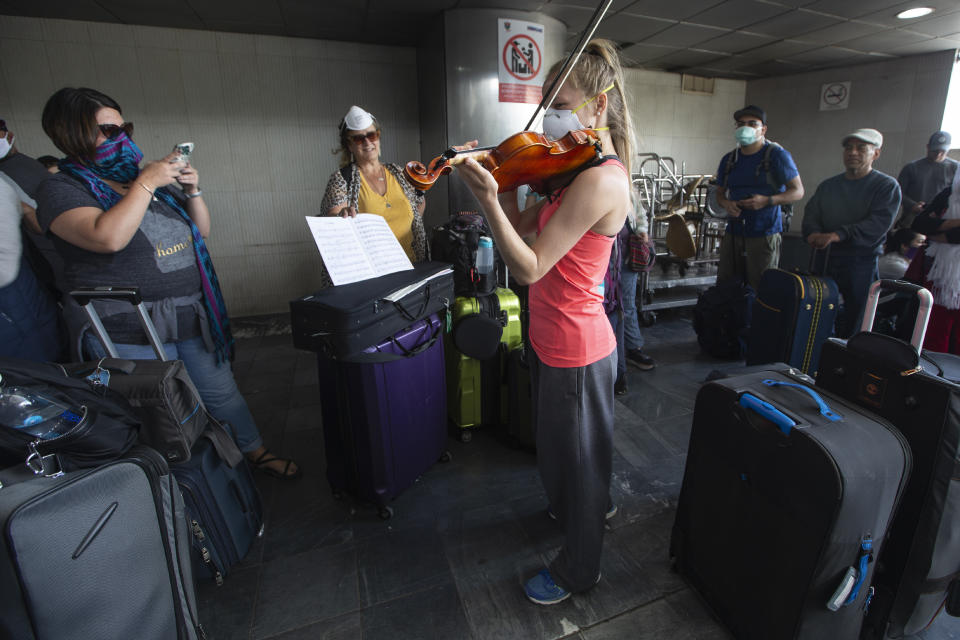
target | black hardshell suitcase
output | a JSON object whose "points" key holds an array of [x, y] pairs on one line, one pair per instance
{"points": [[776, 524], [339, 322], [97, 553], [919, 567], [793, 316]]}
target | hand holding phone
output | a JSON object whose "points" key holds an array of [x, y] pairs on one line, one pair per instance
{"points": [[183, 150]]}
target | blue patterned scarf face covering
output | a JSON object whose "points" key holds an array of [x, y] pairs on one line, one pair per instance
{"points": [[119, 160]]}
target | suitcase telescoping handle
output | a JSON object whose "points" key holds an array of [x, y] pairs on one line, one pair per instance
{"points": [[923, 313], [85, 298], [774, 415]]}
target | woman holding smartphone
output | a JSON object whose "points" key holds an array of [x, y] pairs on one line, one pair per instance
{"points": [[116, 224]]}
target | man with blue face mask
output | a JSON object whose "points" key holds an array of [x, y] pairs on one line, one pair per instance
{"points": [[754, 180]]}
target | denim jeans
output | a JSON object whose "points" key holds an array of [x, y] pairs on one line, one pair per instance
{"points": [[854, 275], [631, 323], [216, 385]]}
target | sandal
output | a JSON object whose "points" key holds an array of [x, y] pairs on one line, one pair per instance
{"points": [[265, 458]]}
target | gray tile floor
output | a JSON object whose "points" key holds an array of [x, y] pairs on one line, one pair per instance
{"points": [[451, 562]]}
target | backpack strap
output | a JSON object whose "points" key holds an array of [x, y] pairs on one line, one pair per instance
{"points": [[765, 165], [732, 158]]}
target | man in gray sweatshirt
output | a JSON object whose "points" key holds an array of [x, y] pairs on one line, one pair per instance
{"points": [[851, 213]]}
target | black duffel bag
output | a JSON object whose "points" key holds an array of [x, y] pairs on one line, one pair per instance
{"points": [[721, 319], [97, 426]]}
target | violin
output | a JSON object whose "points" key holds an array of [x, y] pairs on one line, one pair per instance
{"points": [[527, 157]]}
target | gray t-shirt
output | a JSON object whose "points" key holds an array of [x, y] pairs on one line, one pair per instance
{"points": [[159, 259], [921, 180]]}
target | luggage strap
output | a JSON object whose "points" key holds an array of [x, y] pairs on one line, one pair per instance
{"points": [[380, 356]]}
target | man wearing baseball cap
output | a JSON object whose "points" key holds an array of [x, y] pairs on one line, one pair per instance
{"points": [[851, 213], [922, 179], [754, 181]]}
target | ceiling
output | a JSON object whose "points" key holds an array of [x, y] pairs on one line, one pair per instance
{"points": [[717, 38]]}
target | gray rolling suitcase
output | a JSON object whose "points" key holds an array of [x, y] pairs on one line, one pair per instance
{"points": [[94, 554]]}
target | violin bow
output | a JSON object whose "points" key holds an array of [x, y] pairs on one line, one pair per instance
{"points": [[570, 62]]}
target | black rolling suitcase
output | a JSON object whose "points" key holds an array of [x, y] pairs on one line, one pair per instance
{"points": [[96, 553], [785, 500], [223, 503], [918, 570], [793, 316]]}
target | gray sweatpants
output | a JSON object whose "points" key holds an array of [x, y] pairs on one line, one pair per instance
{"points": [[573, 415]]}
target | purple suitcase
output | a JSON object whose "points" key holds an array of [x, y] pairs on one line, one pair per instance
{"points": [[385, 420]]}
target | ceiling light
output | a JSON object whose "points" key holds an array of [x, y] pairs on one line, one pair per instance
{"points": [[916, 12]]}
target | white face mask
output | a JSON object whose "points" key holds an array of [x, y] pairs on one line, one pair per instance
{"points": [[558, 122], [5, 145]]}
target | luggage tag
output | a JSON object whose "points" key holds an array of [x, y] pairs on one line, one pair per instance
{"points": [[99, 378]]}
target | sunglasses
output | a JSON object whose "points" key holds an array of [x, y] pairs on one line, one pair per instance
{"points": [[372, 136], [111, 131]]}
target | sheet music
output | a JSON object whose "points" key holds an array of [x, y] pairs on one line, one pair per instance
{"points": [[382, 247], [355, 249]]}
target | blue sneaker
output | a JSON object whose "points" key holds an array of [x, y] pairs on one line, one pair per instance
{"points": [[541, 589], [612, 511]]}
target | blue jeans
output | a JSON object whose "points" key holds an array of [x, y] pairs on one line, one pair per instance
{"points": [[631, 324], [216, 385], [854, 275]]}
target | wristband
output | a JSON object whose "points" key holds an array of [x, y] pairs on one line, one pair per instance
{"points": [[196, 194]]}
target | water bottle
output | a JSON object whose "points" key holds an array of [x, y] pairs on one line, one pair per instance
{"points": [[484, 255], [484, 262], [31, 412]]}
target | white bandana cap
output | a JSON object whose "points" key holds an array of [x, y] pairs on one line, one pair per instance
{"points": [[357, 119]]}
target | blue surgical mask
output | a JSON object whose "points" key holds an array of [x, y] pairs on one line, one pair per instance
{"points": [[745, 135]]}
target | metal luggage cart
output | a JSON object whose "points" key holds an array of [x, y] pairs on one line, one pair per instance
{"points": [[679, 280]]}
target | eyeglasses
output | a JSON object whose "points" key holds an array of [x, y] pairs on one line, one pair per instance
{"points": [[372, 136], [111, 131]]}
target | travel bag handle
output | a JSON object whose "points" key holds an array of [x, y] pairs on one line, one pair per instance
{"points": [[923, 313], [813, 259], [825, 410], [85, 298]]}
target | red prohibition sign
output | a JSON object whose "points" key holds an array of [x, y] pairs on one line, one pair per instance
{"points": [[514, 46]]}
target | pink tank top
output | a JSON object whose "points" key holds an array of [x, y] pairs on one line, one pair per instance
{"points": [[568, 327]]}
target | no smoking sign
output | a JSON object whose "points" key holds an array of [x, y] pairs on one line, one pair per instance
{"points": [[834, 95]]}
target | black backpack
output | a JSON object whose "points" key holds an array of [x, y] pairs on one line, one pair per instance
{"points": [[106, 426], [786, 210], [456, 242]]}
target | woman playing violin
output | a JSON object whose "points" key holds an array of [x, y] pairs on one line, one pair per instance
{"points": [[574, 350], [366, 185]]}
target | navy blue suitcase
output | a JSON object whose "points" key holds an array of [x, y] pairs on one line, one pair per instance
{"points": [[793, 316], [223, 509]]}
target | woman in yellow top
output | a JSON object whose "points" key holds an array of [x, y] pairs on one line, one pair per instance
{"points": [[364, 184]]}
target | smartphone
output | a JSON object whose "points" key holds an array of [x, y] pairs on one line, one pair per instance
{"points": [[184, 149]]}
